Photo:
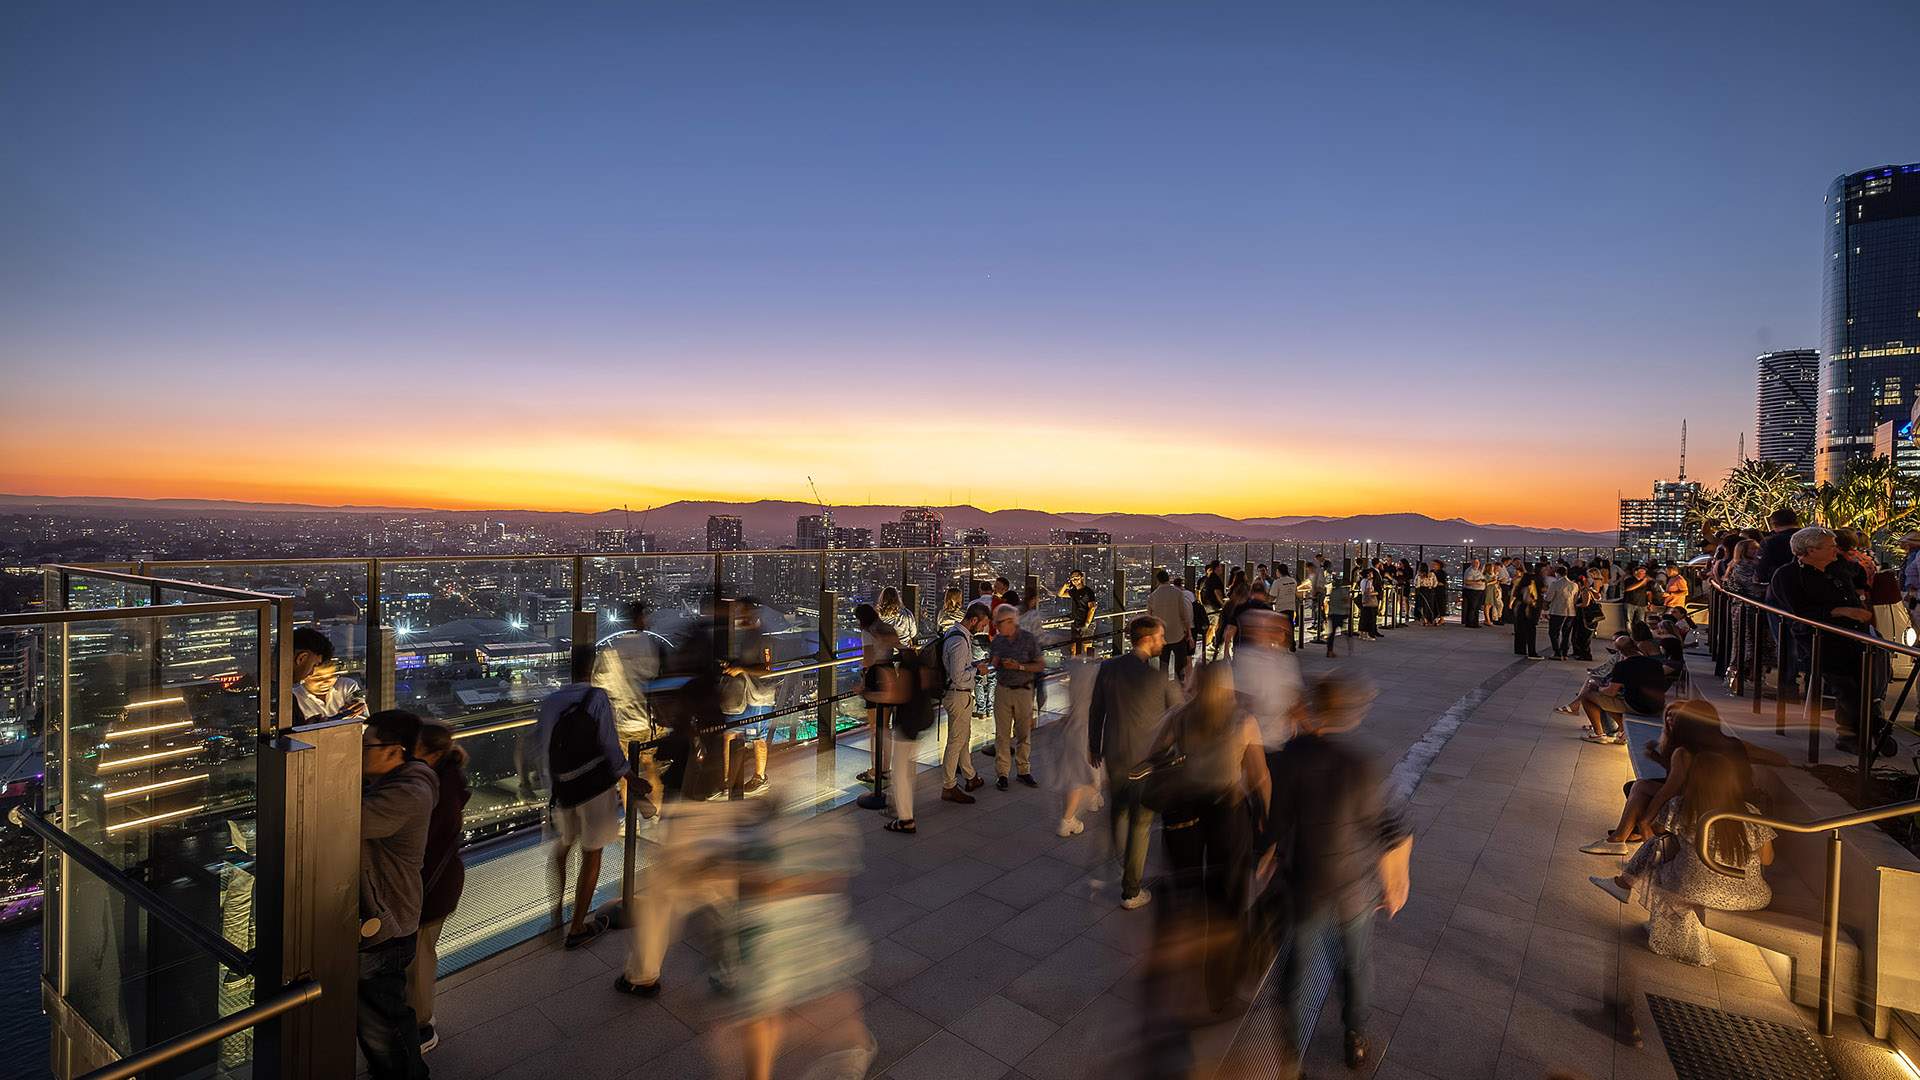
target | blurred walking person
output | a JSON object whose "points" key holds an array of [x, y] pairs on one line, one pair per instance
{"points": [[443, 874], [1335, 852], [1073, 776], [1131, 700]]}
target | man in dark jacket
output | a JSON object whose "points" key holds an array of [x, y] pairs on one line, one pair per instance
{"points": [[1335, 851], [1130, 698], [396, 800], [1809, 588]]}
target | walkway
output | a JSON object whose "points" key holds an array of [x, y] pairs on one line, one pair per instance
{"points": [[995, 955]]}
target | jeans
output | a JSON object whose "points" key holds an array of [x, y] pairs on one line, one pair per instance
{"points": [[1207, 849], [1312, 937], [1132, 825], [388, 1029]]}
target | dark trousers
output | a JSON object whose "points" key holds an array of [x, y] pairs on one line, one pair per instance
{"points": [[1176, 657], [389, 1032], [1369, 620], [1560, 633], [1470, 601], [1582, 638], [1207, 850], [1526, 632], [1313, 937], [1132, 825]]}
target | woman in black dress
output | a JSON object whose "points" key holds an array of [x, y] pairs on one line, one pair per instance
{"points": [[1525, 609]]}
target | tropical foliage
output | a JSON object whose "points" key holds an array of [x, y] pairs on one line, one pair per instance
{"points": [[1869, 495]]}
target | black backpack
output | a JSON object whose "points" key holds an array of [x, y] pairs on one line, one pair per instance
{"points": [[575, 760]]}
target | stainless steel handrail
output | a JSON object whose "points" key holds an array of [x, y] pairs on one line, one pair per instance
{"points": [[1825, 628], [284, 1001], [161, 583], [1830, 920], [229, 956], [61, 616]]}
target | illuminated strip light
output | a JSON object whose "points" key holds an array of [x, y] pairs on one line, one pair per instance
{"points": [[156, 701], [148, 789], [155, 819], [172, 725], [143, 759]]}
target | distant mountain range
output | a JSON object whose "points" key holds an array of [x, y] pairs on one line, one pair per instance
{"points": [[769, 522]]}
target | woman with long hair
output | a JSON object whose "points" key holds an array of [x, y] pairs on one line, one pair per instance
{"points": [[1690, 728], [1742, 578], [1525, 609], [895, 614], [1667, 877], [1425, 584], [953, 609], [442, 874], [1205, 828]]}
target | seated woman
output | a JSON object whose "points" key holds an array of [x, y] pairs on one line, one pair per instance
{"points": [[1690, 728], [1667, 876]]}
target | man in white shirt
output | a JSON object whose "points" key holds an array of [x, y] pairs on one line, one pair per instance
{"points": [[1168, 603], [1284, 590], [1266, 674], [320, 692], [1473, 593]]}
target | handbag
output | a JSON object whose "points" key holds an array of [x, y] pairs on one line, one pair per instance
{"points": [[1162, 777], [888, 685]]}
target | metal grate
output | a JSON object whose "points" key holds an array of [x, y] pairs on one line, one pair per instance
{"points": [[1708, 1044]]}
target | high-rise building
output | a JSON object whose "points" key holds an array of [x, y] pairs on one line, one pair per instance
{"points": [[1089, 537], [1657, 528], [1869, 311], [1894, 439], [916, 528], [1786, 385], [813, 532], [972, 538], [725, 533]]}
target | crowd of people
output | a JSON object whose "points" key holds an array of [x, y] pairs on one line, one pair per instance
{"points": [[1200, 736]]}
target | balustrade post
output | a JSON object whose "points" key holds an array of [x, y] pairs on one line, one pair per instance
{"points": [[1119, 605], [826, 680]]}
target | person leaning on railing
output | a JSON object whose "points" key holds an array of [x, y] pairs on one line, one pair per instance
{"points": [[1808, 587]]}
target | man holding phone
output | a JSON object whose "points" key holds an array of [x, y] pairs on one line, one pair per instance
{"points": [[320, 692]]}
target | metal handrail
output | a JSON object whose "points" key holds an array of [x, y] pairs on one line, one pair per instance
{"points": [[284, 1001], [62, 616], [162, 583], [1830, 920], [1825, 628], [229, 956]]}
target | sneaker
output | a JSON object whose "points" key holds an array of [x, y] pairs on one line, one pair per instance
{"points": [[1027, 779], [1001, 783], [755, 786], [429, 1038], [1070, 827], [1604, 740], [1605, 846], [1611, 888], [954, 794], [1136, 901]]}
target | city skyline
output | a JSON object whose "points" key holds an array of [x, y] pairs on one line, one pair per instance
{"points": [[1230, 260]]}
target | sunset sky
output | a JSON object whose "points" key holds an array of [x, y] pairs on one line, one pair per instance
{"points": [[1253, 259]]}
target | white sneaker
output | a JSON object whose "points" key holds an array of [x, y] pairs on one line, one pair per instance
{"points": [[1070, 827], [1136, 901], [1604, 846]]}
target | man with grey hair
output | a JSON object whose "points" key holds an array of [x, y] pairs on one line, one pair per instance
{"points": [[1808, 588], [1015, 655]]}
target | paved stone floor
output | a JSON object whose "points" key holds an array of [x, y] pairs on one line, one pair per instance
{"points": [[994, 953]]}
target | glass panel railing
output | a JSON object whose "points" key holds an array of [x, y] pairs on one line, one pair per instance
{"points": [[330, 596], [477, 640]]}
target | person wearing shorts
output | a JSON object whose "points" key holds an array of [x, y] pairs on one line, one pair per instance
{"points": [[591, 823]]}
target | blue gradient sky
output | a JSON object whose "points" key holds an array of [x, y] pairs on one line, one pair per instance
{"points": [[579, 255]]}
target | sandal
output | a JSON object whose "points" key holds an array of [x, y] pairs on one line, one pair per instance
{"points": [[595, 927], [901, 825]]}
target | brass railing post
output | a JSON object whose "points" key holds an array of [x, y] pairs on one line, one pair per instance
{"points": [[1830, 934]]}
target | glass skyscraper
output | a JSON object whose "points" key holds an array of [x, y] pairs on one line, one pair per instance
{"points": [[1786, 384], [1870, 310]]}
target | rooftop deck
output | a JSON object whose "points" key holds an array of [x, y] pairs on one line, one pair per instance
{"points": [[995, 953]]}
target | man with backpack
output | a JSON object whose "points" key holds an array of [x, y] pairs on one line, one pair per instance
{"points": [[955, 669], [584, 766]]}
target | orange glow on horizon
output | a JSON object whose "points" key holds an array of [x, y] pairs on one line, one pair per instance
{"points": [[1032, 464]]}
